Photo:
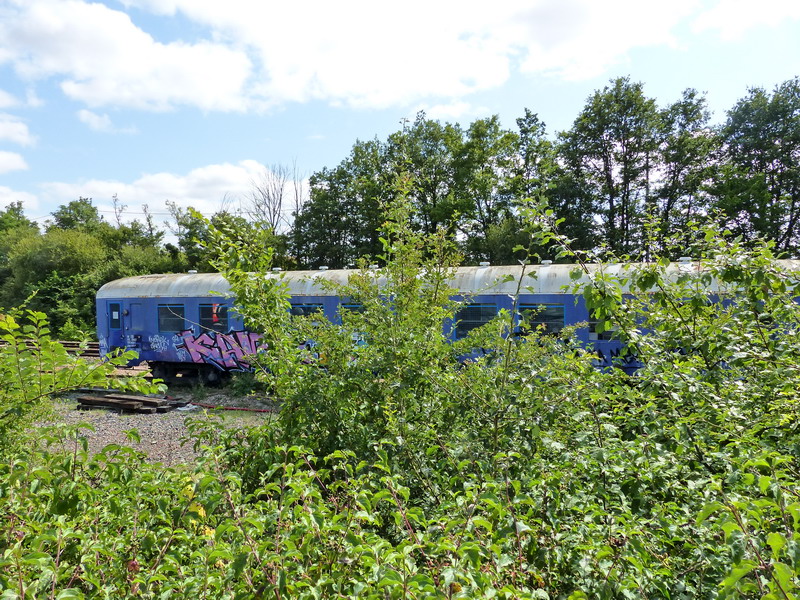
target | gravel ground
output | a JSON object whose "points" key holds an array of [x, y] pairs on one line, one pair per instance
{"points": [[163, 435]]}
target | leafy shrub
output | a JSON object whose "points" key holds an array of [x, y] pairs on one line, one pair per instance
{"points": [[245, 384], [34, 367], [394, 471]]}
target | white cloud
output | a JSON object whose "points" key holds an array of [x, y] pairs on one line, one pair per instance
{"points": [[102, 58], [581, 39], [94, 121], [372, 54], [11, 161], [32, 99], [453, 111], [205, 188], [14, 130], [732, 18], [7, 100], [363, 53], [252, 55], [29, 202], [101, 123]]}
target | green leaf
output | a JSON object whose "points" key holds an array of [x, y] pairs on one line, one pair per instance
{"points": [[784, 575], [730, 528], [708, 510], [743, 569], [69, 593], [776, 541], [481, 522]]}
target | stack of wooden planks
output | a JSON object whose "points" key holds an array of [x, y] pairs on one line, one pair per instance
{"points": [[130, 403]]}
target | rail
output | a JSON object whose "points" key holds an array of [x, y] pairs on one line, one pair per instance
{"points": [[83, 349], [86, 349]]}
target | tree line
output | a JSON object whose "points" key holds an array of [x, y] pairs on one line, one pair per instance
{"points": [[626, 177]]}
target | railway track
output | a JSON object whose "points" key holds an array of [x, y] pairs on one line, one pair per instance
{"points": [[89, 350], [83, 349]]}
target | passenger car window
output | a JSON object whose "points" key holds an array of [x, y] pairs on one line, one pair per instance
{"points": [[171, 318], [114, 316], [550, 317], [351, 307], [594, 335], [214, 317], [472, 316], [306, 310]]}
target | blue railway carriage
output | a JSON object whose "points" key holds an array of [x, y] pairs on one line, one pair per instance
{"points": [[184, 324]]}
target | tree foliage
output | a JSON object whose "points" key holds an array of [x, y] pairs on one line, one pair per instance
{"points": [[626, 176], [340, 222], [395, 468], [611, 147], [59, 271], [760, 188]]}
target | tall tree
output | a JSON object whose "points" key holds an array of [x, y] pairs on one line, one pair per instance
{"points": [[13, 217], [537, 174], [535, 165], [484, 167], [458, 180], [270, 196], [78, 214], [611, 149], [340, 222], [192, 232], [687, 149], [427, 151], [14, 227], [759, 190]]}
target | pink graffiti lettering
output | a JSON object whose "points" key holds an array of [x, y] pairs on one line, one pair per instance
{"points": [[225, 350]]}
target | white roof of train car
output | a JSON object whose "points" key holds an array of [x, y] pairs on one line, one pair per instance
{"points": [[546, 279], [174, 285], [550, 280]]}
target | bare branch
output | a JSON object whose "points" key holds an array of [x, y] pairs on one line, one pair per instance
{"points": [[267, 196]]}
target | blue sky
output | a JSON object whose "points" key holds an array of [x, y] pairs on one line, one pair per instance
{"points": [[193, 100]]}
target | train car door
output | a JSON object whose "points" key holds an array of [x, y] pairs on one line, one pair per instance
{"points": [[133, 323], [115, 333], [134, 318]]}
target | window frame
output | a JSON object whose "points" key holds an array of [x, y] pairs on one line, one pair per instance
{"points": [[303, 305], [173, 316], [206, 323], [459, 323], [535, 321], [118, 319]]}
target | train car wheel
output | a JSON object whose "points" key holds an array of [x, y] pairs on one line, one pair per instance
{"points": [[212, 377], [163, 372]]}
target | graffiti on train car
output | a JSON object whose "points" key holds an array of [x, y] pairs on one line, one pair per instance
{"points": [[616, 356], [225, 350]]}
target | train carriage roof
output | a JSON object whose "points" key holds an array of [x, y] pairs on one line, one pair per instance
{"points": [[537, 279], [171, 285], [550, 279]]}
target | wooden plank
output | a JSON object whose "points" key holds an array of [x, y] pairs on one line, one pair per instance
{"points": [[141, 405], [133, 397], [143, 399], [110, 402]]}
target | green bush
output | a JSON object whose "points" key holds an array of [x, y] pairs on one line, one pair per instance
{"points": [[393, 471], [34, 367]]}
